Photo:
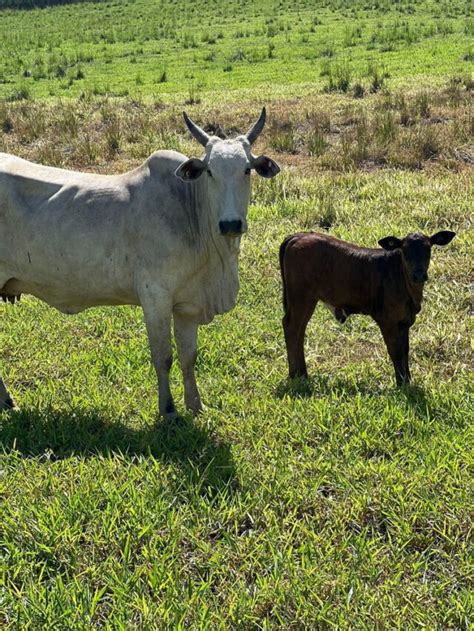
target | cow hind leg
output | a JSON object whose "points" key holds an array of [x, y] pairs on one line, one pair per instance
{"points": [[6, 402], [185, 333], [295, 321]]}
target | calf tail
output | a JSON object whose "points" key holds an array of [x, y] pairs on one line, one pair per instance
{"points": [[282, 270]]}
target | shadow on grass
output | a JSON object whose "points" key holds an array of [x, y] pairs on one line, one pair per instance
{"points": [[60, 434], [323, 385], [416, 398]]}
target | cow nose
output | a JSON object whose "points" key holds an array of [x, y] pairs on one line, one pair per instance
{"points": [[230, 228]]}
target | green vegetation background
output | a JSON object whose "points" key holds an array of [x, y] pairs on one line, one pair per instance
{"points": [[341, 502], [166, 47]]}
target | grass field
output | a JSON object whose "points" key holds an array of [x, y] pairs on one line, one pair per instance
{"points": [[341, 502], [140, 47]]}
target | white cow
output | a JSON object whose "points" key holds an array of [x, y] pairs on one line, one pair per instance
{"points": [[165, 236]]}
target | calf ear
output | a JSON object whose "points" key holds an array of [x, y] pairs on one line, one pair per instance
{"points": [[190, 170], [390, 243], [442, 238], [265, 166]]}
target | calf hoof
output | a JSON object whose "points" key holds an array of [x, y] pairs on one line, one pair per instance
{"points": [[403, 383], [340, 315], [170, 417], [297, 374], [8, 404]]}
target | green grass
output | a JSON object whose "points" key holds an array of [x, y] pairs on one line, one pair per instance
{"points": [[341, 502], [190, 49]]}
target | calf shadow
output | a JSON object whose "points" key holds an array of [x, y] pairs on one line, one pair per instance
{"points": [[58, 434], [416, 398], [323, 385]]}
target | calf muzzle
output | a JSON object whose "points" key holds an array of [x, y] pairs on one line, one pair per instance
{"points": [[419, 277]]}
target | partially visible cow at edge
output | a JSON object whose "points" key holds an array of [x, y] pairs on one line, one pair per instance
{"points": [[165, 236], [386, 284]]}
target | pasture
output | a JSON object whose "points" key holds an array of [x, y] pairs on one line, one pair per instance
{"points": [[340, 502], [167, 48]]}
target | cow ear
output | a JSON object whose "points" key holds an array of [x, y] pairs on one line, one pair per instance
{"points": [[190, 170], [442, 238], [265, 166], [390, 243]]}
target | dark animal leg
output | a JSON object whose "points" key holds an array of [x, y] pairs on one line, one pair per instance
{"points": [[406, 346], [340, 315], [295, 322], [397, 341], [10, 298], [6, 402]]}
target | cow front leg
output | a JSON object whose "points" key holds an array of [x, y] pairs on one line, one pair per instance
{"points": [[6, 402], [185, 333], [397, 341], [157, 312]]}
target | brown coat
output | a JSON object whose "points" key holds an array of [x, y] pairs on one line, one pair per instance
{"points": [[386, 284]]}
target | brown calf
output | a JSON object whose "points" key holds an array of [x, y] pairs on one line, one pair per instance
{"points": [[386, 284]]}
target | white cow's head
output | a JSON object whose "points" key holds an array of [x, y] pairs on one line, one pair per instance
{"points": [[227, 165]]}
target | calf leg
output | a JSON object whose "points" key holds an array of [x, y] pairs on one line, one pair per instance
{"points": [[185, 333], [157, 312], [295, 322], [396, 338], [6, 402], [406, 347]]}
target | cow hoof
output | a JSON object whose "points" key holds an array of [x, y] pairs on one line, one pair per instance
{"points": [[169, 414], [196, 408], [168, 411], [171, 423]]}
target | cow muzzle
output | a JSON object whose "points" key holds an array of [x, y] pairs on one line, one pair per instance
{"points": [[231, 228]]}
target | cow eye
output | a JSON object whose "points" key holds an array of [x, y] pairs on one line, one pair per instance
{"points": [[209, 173], [247, 171]]}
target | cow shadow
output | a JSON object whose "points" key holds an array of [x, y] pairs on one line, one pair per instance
{"points": [[59, 434]]}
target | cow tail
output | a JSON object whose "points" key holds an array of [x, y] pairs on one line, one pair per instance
{"points": [[282, 270]]}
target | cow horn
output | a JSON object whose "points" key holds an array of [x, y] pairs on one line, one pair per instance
{"points": [[196, 131], [256, 130]]}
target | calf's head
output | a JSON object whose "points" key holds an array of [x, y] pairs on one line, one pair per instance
{"points": [[227, 165], [416, 252]]}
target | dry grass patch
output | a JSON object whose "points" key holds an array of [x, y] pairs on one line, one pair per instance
{"points": [[412, 130]]}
